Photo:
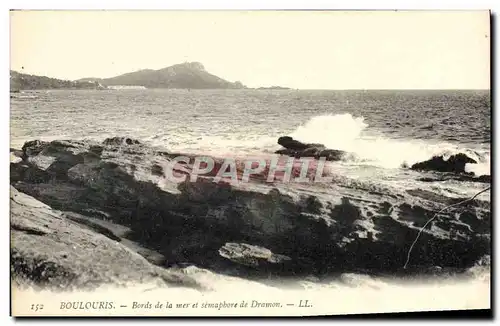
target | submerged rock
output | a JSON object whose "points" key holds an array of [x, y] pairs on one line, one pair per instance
{"points": [[290, 143], [460, 177], [298, 149]]}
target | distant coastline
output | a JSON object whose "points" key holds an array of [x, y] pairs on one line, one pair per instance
{"points": [[275, 87], [21, 82]]}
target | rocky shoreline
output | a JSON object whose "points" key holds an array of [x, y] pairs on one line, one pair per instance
{"points": [[85, 213]]}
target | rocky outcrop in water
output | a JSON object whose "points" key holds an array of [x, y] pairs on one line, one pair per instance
{"points": [[298, 149], [115, 206], [452, 168]]}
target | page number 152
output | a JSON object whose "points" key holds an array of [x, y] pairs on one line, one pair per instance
{"points": [[37, 307]]}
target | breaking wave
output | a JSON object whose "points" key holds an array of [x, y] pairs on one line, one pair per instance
{"points": [[348, 133]]}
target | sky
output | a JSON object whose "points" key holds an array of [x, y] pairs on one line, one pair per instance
{"points": [[298, 49]]}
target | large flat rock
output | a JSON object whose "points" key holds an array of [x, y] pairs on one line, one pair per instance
{"points": [[50, 250]]}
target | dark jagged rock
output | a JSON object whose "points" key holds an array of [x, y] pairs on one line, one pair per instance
{"points": [[298, 149], [455, 163], [290, 143], [189, 222], [32, 147]]}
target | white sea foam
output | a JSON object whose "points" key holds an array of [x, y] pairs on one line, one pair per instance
{"points": [[345, 132]]}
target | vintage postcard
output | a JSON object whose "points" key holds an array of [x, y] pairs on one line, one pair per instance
{"points": [[249, 163]]}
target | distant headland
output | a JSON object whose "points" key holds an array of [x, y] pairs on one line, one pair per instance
{"points": [[188, 75]]}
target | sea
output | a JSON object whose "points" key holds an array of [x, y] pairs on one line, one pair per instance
{"points": [[383, 130]]}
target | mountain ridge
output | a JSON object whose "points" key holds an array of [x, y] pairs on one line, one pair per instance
{"points": [[187, 75], [183, 75]]}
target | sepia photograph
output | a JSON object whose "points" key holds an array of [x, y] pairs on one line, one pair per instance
{"points": [[191, 163]]}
